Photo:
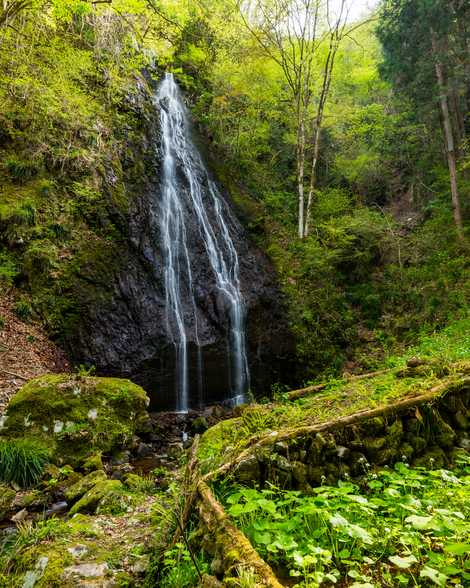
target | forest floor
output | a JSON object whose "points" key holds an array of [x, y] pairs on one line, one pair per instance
{"points": [[25, 351]]}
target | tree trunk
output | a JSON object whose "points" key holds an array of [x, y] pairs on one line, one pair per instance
{"points": [[311, 190], [301, 173], [449, 138]]}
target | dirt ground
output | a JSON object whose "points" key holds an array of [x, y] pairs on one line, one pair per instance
{"points": [[25, 351]]}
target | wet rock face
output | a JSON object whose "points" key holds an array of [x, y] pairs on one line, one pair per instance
{"points": [[124, 331]]}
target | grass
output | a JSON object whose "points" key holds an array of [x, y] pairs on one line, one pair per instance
{"points": [[341, 397], [22, 462], [401, 527]]}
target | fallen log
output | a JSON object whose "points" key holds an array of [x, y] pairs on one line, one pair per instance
{"points": [[188, 492], [295, 394], [231, 545], [450, 385]]}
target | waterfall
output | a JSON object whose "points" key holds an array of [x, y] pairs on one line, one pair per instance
{"points": [[187, 191]]}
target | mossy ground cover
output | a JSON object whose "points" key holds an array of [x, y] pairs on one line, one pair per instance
{"points": [[446, 354], [118, 544]]}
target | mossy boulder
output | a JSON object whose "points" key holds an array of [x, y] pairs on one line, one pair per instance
{"points": [[104, 492], [7, 496], [93, 463], [84, 484], [77, 416]]}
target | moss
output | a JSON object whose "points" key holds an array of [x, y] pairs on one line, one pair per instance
{"points": [[7, 496], [85, 484], [434, 458], [94, 462], [444, 434], [54, 573], [77, 416], [102, 491], [395, 434], [214, 441]]}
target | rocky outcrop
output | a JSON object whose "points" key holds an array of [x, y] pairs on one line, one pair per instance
{"points": [[122, 329]]}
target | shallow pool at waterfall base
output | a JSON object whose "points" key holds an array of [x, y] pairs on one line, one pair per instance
{"points": [[207, 386]]}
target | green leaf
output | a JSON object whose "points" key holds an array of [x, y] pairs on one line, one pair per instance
{"points": [[457, 548], [418, 522], [338, 521], [263, 538], [433, 575], [360, 533], [403, 562]]}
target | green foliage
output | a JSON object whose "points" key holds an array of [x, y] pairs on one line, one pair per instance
{"points": [[23, 309], [179, 570], [22, 461], [399, 526], [8, 268]]}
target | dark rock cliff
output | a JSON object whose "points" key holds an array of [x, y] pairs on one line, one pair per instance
{"points": [[121, 328]]}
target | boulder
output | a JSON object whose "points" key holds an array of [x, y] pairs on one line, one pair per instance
{"points": [[75, 416], [83, 485], [104, 491]]}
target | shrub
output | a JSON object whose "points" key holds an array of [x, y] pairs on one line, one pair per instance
{"points": [[23, 309], [8, 269], [22, 461]]}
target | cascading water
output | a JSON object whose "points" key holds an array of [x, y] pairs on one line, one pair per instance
{"points": [[189, 192]]}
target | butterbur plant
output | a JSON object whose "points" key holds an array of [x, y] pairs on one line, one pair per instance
{"points": [[397, 529], [22, 462]]}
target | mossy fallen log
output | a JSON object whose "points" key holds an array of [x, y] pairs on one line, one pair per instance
{"points": [[301, 392], [449, 385], [229, 544]]}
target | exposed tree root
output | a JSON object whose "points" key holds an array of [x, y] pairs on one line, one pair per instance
{"points": [[231, 545], [188, 491]]}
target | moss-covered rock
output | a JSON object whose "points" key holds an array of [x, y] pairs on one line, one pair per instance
{"points": [[102, 491], [93, 463], [77, 416], [7, 496], [83, 485]]}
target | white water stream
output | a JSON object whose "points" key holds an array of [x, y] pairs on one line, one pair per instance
{"points": [[188, 189]]}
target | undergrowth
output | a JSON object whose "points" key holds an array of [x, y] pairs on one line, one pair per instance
{"points": [[401, 527], [22, 461]]}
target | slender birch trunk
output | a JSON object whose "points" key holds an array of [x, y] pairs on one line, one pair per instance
{"points": [[449, 138], [301, 173]]}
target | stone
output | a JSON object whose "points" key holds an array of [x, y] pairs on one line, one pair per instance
{"points": [[77, 551], [105, 490], [32, 577], [76, 416], [445, 435], [199, 425], [418, 443], [461, 420], [7, 496], [121, 458], [83, 485], [395, 434], [20, 516], [248, 470], [93, 463], [87, 570], [144, 450], [210, 582], [434, 458]]}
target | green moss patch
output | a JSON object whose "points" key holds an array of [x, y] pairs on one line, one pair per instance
{"points": [[77, 416]]}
